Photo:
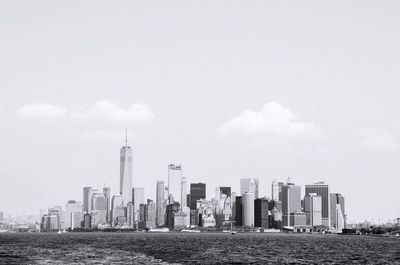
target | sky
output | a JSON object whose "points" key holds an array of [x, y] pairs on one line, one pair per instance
{"points": [[229, 89]]}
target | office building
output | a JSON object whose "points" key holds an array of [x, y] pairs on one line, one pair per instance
{"points": [[174, 183], [126, 173], [298, 218], [248, 209], [160, 206], [73, 215], [91, 192], [322, 189], [338, 214], [170, 215], [249, 185], [291, 202], [275, 190], [99, 209], [197, 192], [313, 209], [238, 215], [107, 195], [117, 210], [261, 213], [183, 192], [86, 199]]}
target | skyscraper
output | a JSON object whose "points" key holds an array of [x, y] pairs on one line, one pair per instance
{"points": [[337, 211], [99, 209], [275, 190], [291, 202], [86, 199], [197, 192], [73, 214], [183, 192], [313, 209], [322, 189], [174, 183], [126, 173], [261, 212], [160, 207], [249, 185], [248, 208], [117, 210], [107, 195], [92, 191]]}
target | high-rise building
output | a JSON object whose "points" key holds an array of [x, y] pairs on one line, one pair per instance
{"points": [[291, 202], [117, 210], [126, 172], [137, 197], [248, 208], [58, 213], [238, 211], [73, 214], [107, 195], [197, 192], [86, 199], [160, 206], [130, 215], [170, 213], [313, 209], [249, 185], [150, 214], [338, 214], [275, 190], [322, 189], [280, 185], [261, 212], [183, 192], [99, 209], [92, 191], [174, 183]]}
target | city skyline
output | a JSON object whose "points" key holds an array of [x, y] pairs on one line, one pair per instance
{"points": [[262, 92]]}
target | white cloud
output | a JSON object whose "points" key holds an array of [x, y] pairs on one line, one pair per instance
{"points": [[102, 110], [272, 119], [108, 110], [378, 141], [42, 110]]}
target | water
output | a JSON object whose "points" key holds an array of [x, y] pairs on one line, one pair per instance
{"points": [[147, 248]]}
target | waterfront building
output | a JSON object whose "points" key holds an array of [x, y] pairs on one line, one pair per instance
{"points": [[107, 195], [291, 201], [238, 211], [170, 213], [86, 199], [209, 221], [180, 220], [322, 189], [226, 191], [73, 214], [261, 212], [99, 208], [249, 185], [298, 218], [87, 221], [117, 210], [160, 206], [174, 184], [313, 209], [58, 213], [197, 192], [338, 215], [126, 173], [130, 215], [150, 214], [248, 208]]}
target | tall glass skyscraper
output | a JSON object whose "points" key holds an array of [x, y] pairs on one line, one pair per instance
{"points": [[249, 185], [160, 204], [126, 173]]}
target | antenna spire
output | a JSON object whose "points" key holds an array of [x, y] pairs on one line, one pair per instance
{"points": [[126, 136]]}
